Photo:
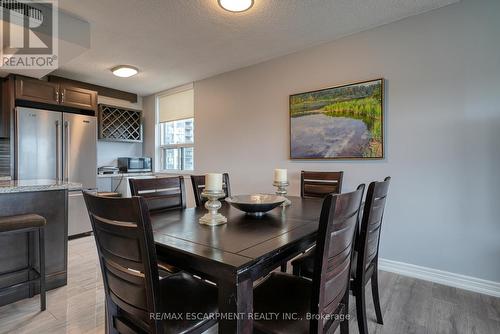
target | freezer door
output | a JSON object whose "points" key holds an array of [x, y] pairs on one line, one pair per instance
{"points": [[80, 149], [38, 144]]}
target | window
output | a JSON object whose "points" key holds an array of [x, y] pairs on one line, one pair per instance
{"points": [[177, 144], [176, 130]]}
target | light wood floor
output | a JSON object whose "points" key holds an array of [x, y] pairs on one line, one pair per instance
{"points": [[409, 305]]}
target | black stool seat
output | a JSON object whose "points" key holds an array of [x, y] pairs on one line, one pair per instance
{"points": [[19, 222]]}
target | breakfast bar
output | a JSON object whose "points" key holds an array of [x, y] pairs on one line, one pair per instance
{"points": [[49, 199]]}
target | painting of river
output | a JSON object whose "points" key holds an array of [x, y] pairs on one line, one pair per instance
{"points": [[343, 122]]}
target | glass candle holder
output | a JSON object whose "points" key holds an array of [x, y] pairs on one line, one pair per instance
{"points": [[281, 191]]}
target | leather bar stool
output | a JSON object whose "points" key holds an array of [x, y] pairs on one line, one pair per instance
{"points": [[28, 223]]}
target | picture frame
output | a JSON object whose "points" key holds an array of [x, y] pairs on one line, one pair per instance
{"points": [[344, 122]]}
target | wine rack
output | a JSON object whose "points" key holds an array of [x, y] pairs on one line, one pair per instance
{"points": [[120, 124]]}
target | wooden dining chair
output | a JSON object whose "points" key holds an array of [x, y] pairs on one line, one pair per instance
{"points": [[133, 290], [320, 184], [327, 295], [198, 182], [162, 193], [365, 257]]}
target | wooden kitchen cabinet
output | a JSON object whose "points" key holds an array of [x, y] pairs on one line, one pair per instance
{"points": [[36, 90], [28, 89], [78, 97]]}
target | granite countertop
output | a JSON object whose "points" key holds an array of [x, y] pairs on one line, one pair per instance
{"points": [[118, 175], [17, 186]]}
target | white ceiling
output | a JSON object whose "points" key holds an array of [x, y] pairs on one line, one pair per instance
{"points": [[174, 42]]}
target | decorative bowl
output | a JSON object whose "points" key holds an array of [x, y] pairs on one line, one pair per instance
{"points": [[257, 204]]}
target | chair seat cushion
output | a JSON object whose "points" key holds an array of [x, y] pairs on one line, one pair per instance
{"points": [[306, 264], [18, 222], [282, 294], [184, 294]]}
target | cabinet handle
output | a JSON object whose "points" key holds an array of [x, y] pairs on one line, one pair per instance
{"points": [[57, 95], [62, 97]]}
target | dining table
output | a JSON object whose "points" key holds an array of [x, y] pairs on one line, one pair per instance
{"points": [[237, 254]]}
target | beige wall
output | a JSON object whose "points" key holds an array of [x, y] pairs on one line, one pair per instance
{"points": [[442, 130]]}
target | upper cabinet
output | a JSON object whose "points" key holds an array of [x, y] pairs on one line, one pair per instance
{"points": [[37, 90], [78, 97], [54, 93]]}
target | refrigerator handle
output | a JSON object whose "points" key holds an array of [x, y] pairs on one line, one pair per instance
{"points": [[66, 158], [58, 153], [17, 146]]}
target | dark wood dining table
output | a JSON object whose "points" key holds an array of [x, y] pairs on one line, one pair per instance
{"points": [[238, 253]]}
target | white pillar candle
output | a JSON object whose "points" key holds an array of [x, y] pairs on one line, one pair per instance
{"points": [[213, 182], [280, 175]]}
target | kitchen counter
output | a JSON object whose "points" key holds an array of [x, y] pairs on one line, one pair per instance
{"points": [[17, 186], [118, 175]]}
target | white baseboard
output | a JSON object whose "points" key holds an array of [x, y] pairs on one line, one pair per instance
{"points": [[442, 277]]}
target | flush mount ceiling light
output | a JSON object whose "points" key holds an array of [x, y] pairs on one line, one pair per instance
{"points": [[236, 6], [124, 71]]}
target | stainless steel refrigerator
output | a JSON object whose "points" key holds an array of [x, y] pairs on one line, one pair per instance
{"points": [[58, 146]]}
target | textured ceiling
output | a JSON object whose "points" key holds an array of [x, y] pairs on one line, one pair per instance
{"points": [[179, 41]]}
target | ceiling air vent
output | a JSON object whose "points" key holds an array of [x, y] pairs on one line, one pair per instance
{"points": [[22, 9]]}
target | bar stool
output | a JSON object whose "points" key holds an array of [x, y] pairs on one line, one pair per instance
{"points": [[28, 223]]}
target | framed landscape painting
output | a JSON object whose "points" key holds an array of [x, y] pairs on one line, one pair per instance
{"points": [[344, 122]]}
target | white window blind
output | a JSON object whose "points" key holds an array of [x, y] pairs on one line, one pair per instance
{"points": [[176, 106], [176, 130]]}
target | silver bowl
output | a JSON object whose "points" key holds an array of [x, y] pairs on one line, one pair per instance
{"points": [[257, 204]]}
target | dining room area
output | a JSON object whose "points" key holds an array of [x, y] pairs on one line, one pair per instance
{"points": [[271, 167], [200, 264]]}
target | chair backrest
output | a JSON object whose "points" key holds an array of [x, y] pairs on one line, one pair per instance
{"points": [[198, 182], [126, 250], [320, 184], [367, 244], [161, 194], [332, 263]]}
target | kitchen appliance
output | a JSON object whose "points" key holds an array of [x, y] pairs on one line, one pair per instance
{"points": [[135, 165], [107, 170], [58, 146]]}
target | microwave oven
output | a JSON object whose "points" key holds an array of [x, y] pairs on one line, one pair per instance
{"points": [[135, 165]]}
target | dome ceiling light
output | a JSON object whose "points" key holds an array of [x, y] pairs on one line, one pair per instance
{"points": [[236, 6], [124, 71]]}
